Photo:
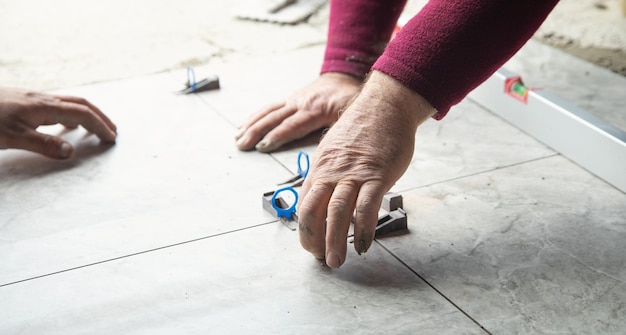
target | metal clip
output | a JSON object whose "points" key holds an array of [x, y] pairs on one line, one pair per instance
{"points": [[206, 84], [276, 205], [394, 220]]}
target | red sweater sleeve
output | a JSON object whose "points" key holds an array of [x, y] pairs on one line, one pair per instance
{"points": [[444, 52], [450, 48], [358, 32]]}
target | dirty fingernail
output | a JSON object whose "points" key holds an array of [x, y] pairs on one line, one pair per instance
{"points": [[112, 136], [66, 150], [239, 133], [332, 259], [242, 142], [361, 246], [267, 145]]}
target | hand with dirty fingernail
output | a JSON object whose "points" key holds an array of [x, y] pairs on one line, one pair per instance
{"points": [[22, 111], [314, 107], [355, 164]]}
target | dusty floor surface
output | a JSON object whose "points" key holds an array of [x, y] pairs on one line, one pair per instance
{"points": [[592, 30], [50, 45]]}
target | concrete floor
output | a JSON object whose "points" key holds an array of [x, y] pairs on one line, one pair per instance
{"points": [[51, 45], [165, 233]]}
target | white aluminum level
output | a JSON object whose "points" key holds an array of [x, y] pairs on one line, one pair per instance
{"points": [[578, 135]]}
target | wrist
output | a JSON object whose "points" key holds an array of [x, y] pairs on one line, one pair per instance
{"points": [[341, 76], [401, 99]]}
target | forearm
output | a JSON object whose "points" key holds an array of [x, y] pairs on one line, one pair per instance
{"points": [[358, 32], [449, 48]]}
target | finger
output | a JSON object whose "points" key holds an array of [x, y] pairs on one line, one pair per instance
{"points": [[292, 128], [312, 217], [92, 107], [47, 145], [254, 118], [257, 131], [366, 215], [340, 209], [71, 114]]}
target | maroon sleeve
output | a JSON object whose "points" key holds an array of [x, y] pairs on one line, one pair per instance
{"points": [[358, 32], [451, 47]]}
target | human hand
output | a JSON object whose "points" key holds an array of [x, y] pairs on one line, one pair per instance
{"points": [[22, 111], [355, 164], [314, 107]]}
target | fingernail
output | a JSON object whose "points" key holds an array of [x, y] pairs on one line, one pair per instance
{"points": [[332, 259], [361, 247], [66, 150], [266, 145], [113, 136], [239, 133], [242, 143]]}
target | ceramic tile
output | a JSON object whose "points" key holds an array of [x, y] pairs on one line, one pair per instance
{"points": [[256, 280], [535, 248], [467, 141], [173, 175]]}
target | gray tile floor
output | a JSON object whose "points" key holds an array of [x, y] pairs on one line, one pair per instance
{"points": [[164, 232]]}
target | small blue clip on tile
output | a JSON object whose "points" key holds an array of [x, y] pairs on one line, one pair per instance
{"points": [[286, 213], [191, 78], [193, 86], [276, 205], [303, 172]]}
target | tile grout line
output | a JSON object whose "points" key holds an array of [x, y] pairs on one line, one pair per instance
{"points": [[204, 101], [434, 288], [445, 181], [137, 253], [225, 118], [480, 172], [230, 122]]}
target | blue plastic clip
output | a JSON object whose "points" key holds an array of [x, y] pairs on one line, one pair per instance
{"points": [[191, 78], [303, 172], [282, 212]]}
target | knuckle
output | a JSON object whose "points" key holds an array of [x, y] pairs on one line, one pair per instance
{"points": [[365, 204], [308, 218], [257, 130], [81, 101], [311, 101], [307, 215], [51, 144], [84, 110], [339, 205], [12, 132], [32, 95]]}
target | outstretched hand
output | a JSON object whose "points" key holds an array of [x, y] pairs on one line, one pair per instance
{"points": [[22, 111], [356, 163], [314, 107]]}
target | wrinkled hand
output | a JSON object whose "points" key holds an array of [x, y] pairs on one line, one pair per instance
{"points": [[22, 111], [356, 163], [314, 107]]}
